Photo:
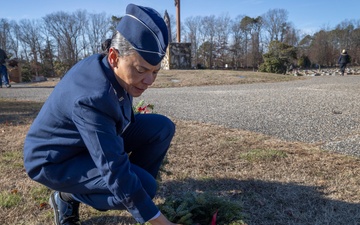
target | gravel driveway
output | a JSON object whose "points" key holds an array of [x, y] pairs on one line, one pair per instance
{"points": [[317, 110]]}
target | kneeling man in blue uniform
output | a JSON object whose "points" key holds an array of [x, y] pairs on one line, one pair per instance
{"points": [[86, 143]]}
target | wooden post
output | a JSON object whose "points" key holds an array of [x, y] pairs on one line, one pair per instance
{"points": [[178, 33]]}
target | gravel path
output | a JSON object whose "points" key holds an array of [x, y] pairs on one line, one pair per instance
{"points": [[317, 110]]}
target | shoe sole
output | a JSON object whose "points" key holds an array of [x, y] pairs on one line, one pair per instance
{"points": [[54, 207]]}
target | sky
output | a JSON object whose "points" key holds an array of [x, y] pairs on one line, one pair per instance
{"points": [[308, 16]]}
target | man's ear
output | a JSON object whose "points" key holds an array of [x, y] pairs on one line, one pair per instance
{"points": [[113, 57]]}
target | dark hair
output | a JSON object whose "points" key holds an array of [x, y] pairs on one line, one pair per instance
{"points": [[106, 45]]}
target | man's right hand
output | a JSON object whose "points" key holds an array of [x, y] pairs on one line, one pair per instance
{"points": [[161, 220]]}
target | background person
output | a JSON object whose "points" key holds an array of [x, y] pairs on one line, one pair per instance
{"points": [[87, 144], [343, 60], [3, 70]]}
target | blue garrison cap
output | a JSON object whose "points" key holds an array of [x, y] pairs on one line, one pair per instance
{"points": [[146, 31]]}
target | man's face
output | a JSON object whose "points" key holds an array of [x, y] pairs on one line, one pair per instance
{"points": [[134, 74]]}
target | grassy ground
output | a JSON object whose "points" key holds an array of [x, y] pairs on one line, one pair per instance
{"points": [[182, 78], [276, 182]]}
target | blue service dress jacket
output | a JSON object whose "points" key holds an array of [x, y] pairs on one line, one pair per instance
{"points": [[85, 115]]}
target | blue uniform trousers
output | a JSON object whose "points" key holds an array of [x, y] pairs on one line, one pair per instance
{"points": [[4, 75], [147, 141]]}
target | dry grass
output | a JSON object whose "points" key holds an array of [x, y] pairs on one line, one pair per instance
{"points": [[182, 78], [277, 182]]}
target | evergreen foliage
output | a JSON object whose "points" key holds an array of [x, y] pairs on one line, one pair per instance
{"points": [[279, 57], [200, 208], [304, 61]]}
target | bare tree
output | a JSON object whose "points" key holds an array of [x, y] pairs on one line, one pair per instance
{"points": [[5, 34], [276, 24], [83, 43], [173, 29], [238, 37], [322, 49], [256, 51], [32, 42], [291, 35], [355, 48], [66, 30], [344, 31], [47, 56], [208, 32], [14, 42], [193, 25], [98, 31], [62, 39], [223, 23]]}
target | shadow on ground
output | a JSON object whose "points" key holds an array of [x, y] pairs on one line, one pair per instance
{"points": [[263, 202], [17, 112], [273, 202]]}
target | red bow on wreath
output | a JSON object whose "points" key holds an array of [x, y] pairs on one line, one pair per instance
{"points": [[213, 221]]}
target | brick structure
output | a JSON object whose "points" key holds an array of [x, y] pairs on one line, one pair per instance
{"points": [[14, 74]]}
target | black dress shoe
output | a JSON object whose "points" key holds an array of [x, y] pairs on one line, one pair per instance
{"points": [[66, 213]]}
